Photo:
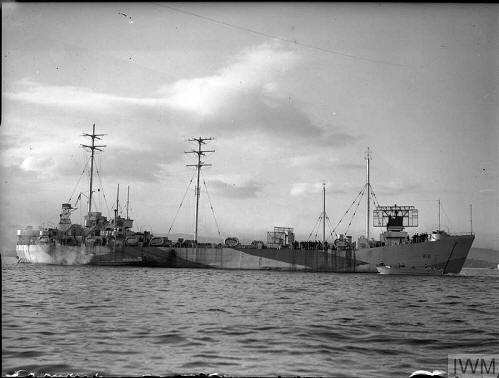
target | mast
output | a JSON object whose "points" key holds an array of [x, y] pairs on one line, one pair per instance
{"points": [[117, 204], [92, 147], [324, 214], [127, 200], [368, 157], [439, 215], [471, 219], [198, 166]]}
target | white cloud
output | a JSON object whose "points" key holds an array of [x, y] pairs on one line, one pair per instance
{"points": [[32, 163], [72, 96], [254, 68], [302, 188], [234, 185], [243, 98]]}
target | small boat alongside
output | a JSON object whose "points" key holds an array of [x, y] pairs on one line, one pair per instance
{"points": [[387, 269]]}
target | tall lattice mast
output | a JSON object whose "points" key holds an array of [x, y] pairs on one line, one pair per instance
{"points": [[200, 141], [92, 148]]}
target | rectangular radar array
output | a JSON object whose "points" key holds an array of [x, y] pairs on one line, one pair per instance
{"points": [[409, 214]]}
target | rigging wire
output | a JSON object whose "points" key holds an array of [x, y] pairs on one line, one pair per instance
{"points": [[316, 224], [317, 230], [361, 194], [181, 202], [99, 164], [448, 218], [331, 230], [103, 193], [374, 196], [355, 212], [82, 173], [211, 206], [295, 42]]}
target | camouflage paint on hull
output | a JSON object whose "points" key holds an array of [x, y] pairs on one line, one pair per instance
{"points": [[270, 259], [201, 257], [437, 257]]}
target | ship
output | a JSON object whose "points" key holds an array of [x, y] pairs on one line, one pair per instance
{"points": [[98, 241], [111, 242]]}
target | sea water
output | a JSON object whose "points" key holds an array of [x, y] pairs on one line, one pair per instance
{"points": [[154, 321]]}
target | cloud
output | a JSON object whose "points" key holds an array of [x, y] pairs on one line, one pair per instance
{"points": [[32, 163], [248, 94], [24, 153], [72, 96], [234, 186], [254, 69], [143, 158], [251, 69], [305, 188], [144, 165], [301, 188], [246, 98]]}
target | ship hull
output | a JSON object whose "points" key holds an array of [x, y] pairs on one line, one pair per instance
{"points": [[59, 254], [268, 259], [437, 257], [432, 257], [201, 257]]}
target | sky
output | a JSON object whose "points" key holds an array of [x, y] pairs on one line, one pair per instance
{"points": [[292, 93]]}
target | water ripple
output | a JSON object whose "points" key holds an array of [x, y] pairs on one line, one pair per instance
{"points": [[136, 321]]}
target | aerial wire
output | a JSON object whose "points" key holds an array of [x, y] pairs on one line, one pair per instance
{"points": [[295, 42]]}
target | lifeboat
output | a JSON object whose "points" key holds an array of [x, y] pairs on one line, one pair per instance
{"points": [[132, 240], [157, 241], [44, 239], [231, 241]]}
